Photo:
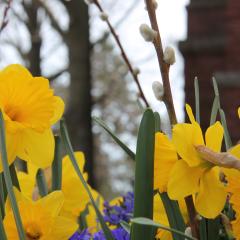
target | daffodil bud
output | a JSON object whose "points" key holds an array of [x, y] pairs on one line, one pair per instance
{"points": [[147, 33], [169, 56], [136, 71], [158, 90], [104, 16]]}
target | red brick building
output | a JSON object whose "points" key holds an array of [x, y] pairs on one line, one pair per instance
{"points": [[212, 48]]}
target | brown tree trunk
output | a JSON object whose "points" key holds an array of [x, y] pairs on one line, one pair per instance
{"points": [[33, 25], [78, 114]]}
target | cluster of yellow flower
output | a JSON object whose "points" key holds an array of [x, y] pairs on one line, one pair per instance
{"points": [[181, 170], [30, 109]]}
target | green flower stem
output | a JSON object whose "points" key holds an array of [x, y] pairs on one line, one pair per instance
{"points": [[8, 180], [41, 182], [57, 166]]}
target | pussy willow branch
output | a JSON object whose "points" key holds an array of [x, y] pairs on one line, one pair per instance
{"points": [[4, 20], [168, 100], [164, 67], [123, 53]]}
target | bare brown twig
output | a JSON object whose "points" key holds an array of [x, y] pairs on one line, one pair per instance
{"points": [[123, 53], [164, 68], [5, 13]]}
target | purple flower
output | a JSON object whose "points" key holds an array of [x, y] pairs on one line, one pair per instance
{"points": [[122, 212], [84, 235], [118, 234]]}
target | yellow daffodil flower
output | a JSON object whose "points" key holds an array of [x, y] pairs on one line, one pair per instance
{"points": [[29, 109], [191, 175], [165, 156], [41, 219], [76, 197]]}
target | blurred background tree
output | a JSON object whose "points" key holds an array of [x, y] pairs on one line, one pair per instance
{"points": [[52, 38]]}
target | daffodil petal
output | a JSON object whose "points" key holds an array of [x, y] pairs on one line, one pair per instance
{"points": [[165, 156], [184, 180], [53, 201], [214, 137], [190, 114], [37, 148], [68, 167], [235, 151], [58, 109], [63, 228], [12, 142], [212, 195], [185, 138]]}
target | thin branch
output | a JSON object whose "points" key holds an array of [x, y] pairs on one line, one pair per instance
{"points": [[123, 53], [5, 13], [118, 23], [52, 18], [164, 68], [57, 74]]}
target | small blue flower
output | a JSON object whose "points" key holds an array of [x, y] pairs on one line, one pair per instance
{"points": [[118, 234], [122, 212], [84, 235]]}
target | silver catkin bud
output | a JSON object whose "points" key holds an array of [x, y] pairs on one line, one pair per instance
{"points": [[169, 56], [147, 33], [158, 90]]}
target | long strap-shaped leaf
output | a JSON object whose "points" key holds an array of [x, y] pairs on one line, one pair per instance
{"points": [[69, 150], [41, 182], [2, 230], [57, 166], [197, 99], [149, 222], [174, 215], [8, 180], [143, 186], [115, 138]]}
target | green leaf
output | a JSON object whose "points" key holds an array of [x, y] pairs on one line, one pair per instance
{"points": [[57, 166], [13, 173], [157, 122], [2, 230], [216, 103], [149, 222], [203, 229], [215, 108], [125, 226], [69, 150], [197, 99], [115, 138], [227, 138], [213, 226], [3, 195], [174, 215], [41, 183], [143, 186], [8, 180], [215, 86]]}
